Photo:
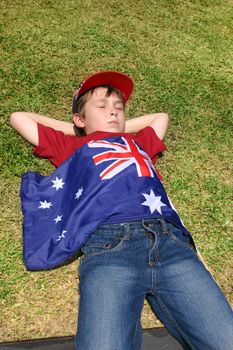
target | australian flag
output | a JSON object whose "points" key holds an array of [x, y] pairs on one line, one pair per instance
{"points": [[103, 182]]}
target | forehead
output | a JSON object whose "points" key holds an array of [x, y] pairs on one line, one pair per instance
{"points": [[101, 93]]}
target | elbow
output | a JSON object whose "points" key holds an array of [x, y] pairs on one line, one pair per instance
{"points": [[165, 119], [162, 118], [160, 124], [165, 116], [161, 115], [15, 119]]}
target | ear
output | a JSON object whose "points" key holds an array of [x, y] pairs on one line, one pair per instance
{"points": [[78, 120]]}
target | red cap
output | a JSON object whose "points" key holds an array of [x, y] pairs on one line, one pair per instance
{"points": [[115, 79]]}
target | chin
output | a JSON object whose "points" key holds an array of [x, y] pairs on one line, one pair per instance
{"points": [[118, 129]]}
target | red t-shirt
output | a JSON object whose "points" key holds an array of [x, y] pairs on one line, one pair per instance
{"points": [[57, 147]]}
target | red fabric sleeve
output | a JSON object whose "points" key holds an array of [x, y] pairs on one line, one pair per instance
{"points": [[57, 147], [150, 142], [54, 145]]}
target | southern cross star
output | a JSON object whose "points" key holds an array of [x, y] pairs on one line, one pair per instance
{"points": [[61, 236], [57, 183], [153, 202], [79, 193], [58, 218], [45, 205]]}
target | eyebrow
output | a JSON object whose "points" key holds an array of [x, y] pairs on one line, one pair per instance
{"points": [[105, 99]]}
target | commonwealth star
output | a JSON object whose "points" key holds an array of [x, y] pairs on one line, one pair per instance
{"points": [[153, 202]]}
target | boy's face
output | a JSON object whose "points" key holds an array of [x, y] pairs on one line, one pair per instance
{"points": [[103, 113]]}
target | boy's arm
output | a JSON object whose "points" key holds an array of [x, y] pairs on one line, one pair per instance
{"points": [[25, 124], [158, 121]]}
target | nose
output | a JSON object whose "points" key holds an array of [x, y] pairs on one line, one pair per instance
{"points": [[113, 112]]}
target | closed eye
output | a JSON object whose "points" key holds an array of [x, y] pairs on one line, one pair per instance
{"points": [[119, 106]]}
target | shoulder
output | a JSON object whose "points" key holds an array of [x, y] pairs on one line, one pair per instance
{"points": [[148, 139], [52, 135], [149, 134], [55, 145]]}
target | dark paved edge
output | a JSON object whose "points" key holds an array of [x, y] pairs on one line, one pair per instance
{"points": [[153, 338]]}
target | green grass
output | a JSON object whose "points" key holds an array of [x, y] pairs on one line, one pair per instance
{"points": [[180, 54]]}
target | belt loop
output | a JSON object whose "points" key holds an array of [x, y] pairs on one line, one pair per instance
{"points": [[164, 226], [127, 230]]}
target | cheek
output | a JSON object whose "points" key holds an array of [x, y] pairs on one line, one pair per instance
{"points": [[123, 119], [100, 117], [97, 122]]}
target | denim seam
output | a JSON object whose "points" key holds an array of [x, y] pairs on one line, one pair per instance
{"points": [[164, 226], [154, 248], [153, 281], [173, 321], [115, 249], [178, 241], [136, 330]]}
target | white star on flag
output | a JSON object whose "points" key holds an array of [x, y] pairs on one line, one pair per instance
{"points": [[58, 218], [79, 193], [62, 236], [57, 183], [45, 205], [153, 202]]}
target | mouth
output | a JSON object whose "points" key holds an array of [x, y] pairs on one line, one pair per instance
{"points": [[113, 122]]}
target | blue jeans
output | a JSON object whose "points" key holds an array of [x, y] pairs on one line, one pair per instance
{"points": [[125, 263]]}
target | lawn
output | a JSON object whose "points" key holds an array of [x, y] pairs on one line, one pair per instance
{"points": [[180, 54]]}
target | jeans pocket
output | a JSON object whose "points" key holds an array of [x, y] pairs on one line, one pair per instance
{"points": [[181, 238], [99, 244]]}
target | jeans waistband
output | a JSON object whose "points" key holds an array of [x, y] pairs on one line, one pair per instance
{"points": [[147, 224]]}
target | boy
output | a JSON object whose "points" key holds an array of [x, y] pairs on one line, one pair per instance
{"points": [[134, 244]]}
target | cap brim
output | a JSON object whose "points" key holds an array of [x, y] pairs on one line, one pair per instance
{"points": [[115, 79]]}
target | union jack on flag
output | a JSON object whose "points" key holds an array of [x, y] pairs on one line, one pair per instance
{"points": [[123, 155], [103, 182]]}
